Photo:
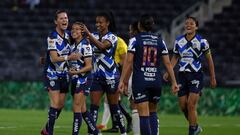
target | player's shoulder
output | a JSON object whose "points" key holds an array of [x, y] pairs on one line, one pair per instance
{"points": [[178, 38], [85, 42], [52, 34]]}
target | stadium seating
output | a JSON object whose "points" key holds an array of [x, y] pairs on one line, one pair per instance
{"points": [[24, 31], [222, 34]]}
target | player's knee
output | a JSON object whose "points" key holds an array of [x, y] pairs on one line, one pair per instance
{"points": [[191, 107]]}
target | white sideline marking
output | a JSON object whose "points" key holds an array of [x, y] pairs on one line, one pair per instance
{"points": [[7, 127]]}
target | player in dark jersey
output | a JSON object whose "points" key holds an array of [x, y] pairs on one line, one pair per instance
{"points": [[133, 30], [189, 50], [80, 71], [144, 56], [56, 68], [106, 75]]}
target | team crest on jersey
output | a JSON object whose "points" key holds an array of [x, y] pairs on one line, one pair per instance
{"points": [[51, 42], [59, 41], [196, 45], [52, 83]]}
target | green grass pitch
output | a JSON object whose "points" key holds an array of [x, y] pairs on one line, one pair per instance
{"points": [[29, 122]]}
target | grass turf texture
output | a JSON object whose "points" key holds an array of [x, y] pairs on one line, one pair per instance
{"points": [[29, 122]]}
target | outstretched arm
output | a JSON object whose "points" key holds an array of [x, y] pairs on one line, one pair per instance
{"points": [[170, 71]]}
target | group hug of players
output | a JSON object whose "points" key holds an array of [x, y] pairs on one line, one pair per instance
{"points": [[86, 62]]}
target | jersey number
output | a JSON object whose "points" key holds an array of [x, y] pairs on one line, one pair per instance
{"points": [[149, 56]]}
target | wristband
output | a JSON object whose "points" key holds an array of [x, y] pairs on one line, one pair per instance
{"points": [[66, 58]]}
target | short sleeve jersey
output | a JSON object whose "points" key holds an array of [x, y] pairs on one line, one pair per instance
{"points": [[85, 50], [61, 45], [148, 50], [104, 64], [190, 52], [120, 50]]}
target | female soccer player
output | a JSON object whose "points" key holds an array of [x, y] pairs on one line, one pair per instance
{"points": [[144, 55], [188, 52], [80, 71], [56, 68], [133, 30], [119, 58], [106, 75]]}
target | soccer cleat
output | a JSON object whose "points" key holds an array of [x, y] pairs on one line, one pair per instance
{"points": [[101, 127], [198, 130], [110, 130], [44, 132]]}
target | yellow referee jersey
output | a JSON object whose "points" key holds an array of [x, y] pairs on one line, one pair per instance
{"points": [[121, 49]]}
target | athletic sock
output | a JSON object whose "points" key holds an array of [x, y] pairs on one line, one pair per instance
{"points": [[145, 125], [77, 122], [154, 122], [135, 122], [52, 115], [106, 114], [125, 113], [90, 123], [115, 111], [58, 113]]}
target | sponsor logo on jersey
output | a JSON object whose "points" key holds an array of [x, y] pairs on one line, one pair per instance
{"points": [[52, 83]]}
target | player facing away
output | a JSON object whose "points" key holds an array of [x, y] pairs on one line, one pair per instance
{"points": [[133, 30], [189, 50], [143, 59], [106, 75], [55, 72], [80, 70]]}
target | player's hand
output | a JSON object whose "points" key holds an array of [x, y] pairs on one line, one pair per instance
{"points": [[166, 77], [85, 29], [72, 71], [175, 88], [74, 56], [213, 82], [125, 89], [121, 87]]}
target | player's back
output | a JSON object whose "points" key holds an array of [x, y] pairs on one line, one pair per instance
{"points": [[148, 49]]}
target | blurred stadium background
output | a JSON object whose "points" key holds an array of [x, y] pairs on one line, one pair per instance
{"points": [[23, 40]]}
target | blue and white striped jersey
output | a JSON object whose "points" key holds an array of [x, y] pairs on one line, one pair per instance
{"points": [[104, 64], [190, 52], [60, 44], [85, 50]]}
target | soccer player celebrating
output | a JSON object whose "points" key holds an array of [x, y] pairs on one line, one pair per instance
{"points": [[106, 75], [119, 57], [143, 58], [55, 72], [79, 71], [188, 52]]}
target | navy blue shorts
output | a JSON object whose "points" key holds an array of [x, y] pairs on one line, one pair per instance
{"points": [[76, 87], [142, 93], [109, 86], [190, 82], [62, 84]]}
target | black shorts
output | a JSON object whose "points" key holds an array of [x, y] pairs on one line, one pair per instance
{"points": [[61, 84], [142, 93], [77, 87], [109, 86], [190, 82]]}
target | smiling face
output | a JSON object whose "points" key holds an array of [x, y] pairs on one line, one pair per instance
{"points": [[62, 21], [76, 31], [190, 26], [102, 24]]}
